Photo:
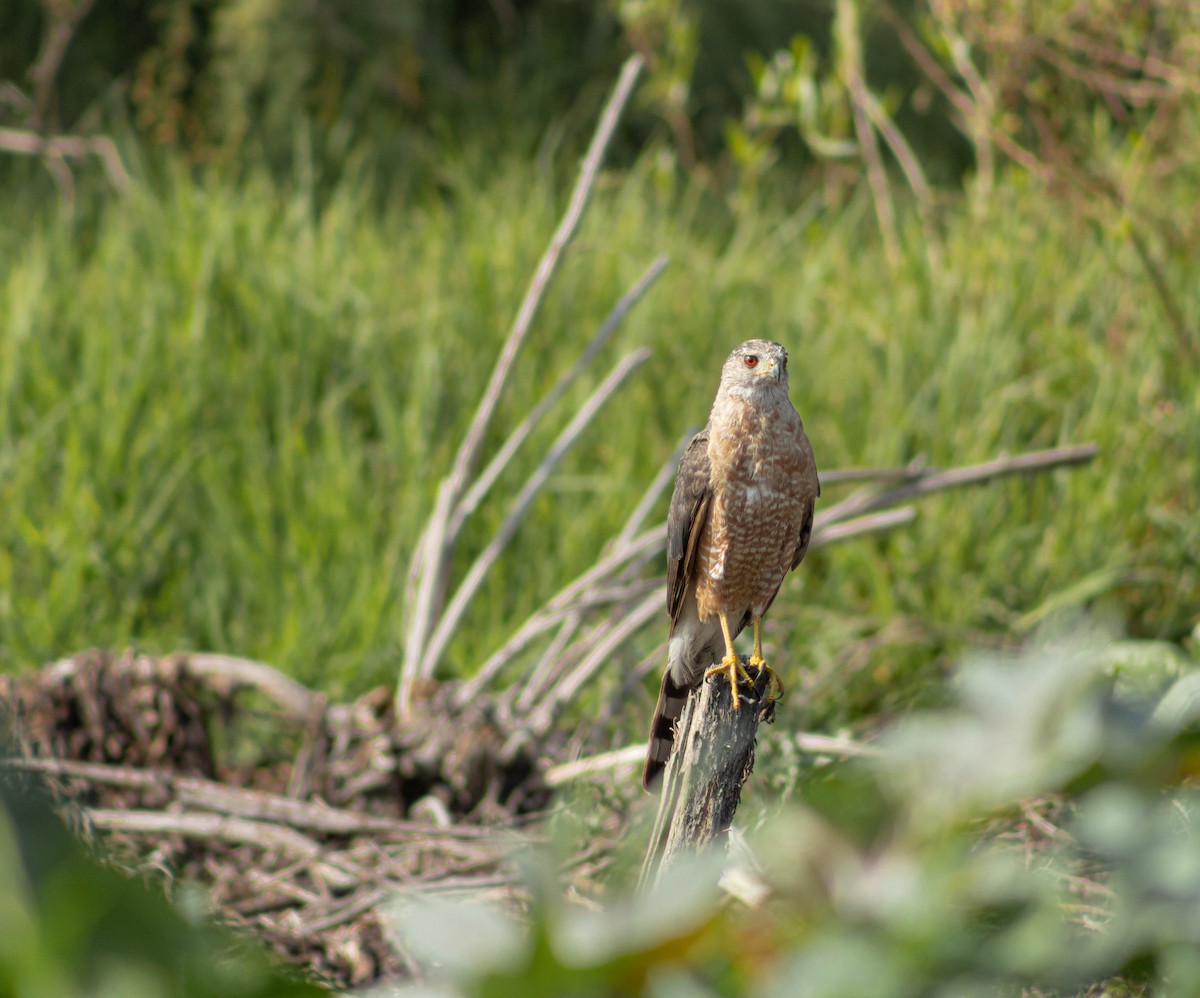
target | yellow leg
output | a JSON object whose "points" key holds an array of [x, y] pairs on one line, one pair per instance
{"points": [[774, 683], [730, 664]]}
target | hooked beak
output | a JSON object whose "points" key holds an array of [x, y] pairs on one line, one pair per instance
{"points": [[771, 369]]}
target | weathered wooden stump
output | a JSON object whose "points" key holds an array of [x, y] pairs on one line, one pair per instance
{"points": [[712, 758]]}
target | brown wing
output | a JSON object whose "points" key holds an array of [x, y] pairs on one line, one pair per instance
{"points": [[685, 520], [812, 485], [805, 534]]}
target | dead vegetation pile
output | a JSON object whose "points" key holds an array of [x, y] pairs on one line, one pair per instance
{"points": [[296, 816]]}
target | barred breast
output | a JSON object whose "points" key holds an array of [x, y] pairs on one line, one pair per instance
{"points": [[748, 543]]}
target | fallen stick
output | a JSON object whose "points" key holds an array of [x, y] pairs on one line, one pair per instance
{"points": [[236, 831], [631, 757], [255, 805], [452, 614]]}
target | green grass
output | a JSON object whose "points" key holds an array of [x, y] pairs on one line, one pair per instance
{"points": [[225, 408]]}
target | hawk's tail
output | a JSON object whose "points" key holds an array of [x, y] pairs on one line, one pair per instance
{"points": [[671, 700]]}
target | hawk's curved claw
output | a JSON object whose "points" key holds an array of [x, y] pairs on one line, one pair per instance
{"points": [[731, 665], [774, 683]]}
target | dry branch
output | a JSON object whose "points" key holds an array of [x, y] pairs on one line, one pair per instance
{"points": [[430, 571], [487, 478], [561, 692], [631, 757], [137, 751], [872, 523], [242, 831], [449, 620], [658, 485], [849, 45], [36, 138], [927, 481], [576, 595], [60, 147], [257, 805]]}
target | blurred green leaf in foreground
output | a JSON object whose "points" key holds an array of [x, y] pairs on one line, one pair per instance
{"points": [[70, 926], [1038, 837]]}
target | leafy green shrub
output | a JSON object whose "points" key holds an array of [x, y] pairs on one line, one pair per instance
{"points": [[728, 83], [1040, 836]]}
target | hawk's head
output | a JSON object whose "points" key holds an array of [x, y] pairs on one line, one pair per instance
{"points": [[755, 366]]}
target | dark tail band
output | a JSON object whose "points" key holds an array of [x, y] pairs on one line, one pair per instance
{"points": [[671, 701]]}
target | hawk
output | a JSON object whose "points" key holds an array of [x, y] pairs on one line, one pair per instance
{"points": [[741, 516]]}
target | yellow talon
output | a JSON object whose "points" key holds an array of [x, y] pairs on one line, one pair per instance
{"points": [[774, 683], [759, 663], [732, 665]]}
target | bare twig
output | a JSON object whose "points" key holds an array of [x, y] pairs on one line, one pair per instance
{"points": [[256, 805], [556, 659], [565, 689], [60, 147], [839, 475], [431, 567], [475, 884], [622, 758], [347, 912], [911, 167], [561, 647], [807, 741], [850, 51], [590, 168], [239, 831], [828, 533], [565, 609], [317, 817], [976, 117], [652, 663], [665, 477], [60, 23], [60, 27], [294, 698], [479, 569], [94, 772], [632, 756], [644, 545], [928, 482], [479, 489], [557, 609], [225, 673]]}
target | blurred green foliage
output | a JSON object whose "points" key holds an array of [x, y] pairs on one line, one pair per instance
{"points": [[731, 87], [1037, 837], [70, 926], [227, 79]]}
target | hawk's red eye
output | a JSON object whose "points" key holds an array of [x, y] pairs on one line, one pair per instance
{"points": [[751, 361]]}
